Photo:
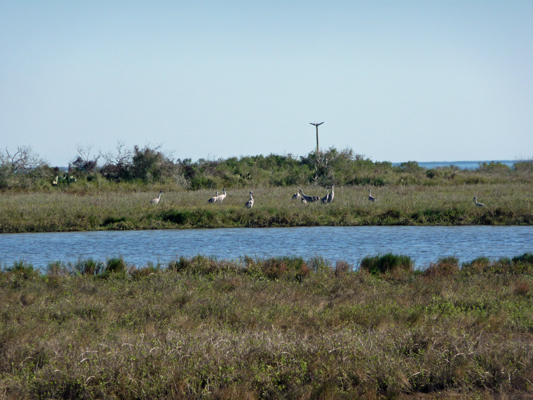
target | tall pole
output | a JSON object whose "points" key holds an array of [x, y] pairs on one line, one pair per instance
{"points": [[317, 148], [316, 125]]}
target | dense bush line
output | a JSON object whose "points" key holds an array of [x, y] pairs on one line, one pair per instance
{"points": [[200, 328], [150, 165]]}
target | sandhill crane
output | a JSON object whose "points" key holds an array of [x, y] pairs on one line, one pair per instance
{"points": [[296, 196], [478, 204], [222, 196], [370, 197], [250, 203], [331, 194], [309, 199], [156, 200], [213, 199], [326, 197]]}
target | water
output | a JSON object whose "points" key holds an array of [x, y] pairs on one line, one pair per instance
{"points": [[423, 244], [461, 164]]}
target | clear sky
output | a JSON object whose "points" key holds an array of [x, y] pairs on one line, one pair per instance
{"points": [[393, 80]]}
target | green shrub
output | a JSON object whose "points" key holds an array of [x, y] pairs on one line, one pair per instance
{"points": [[114, 266], [386, 263], [526, 258], [480, 264], [89, 267], [23, 270]]}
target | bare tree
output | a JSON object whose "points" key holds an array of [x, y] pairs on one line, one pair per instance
{"points": [[21, 160], [121, 157], [84, 162]]}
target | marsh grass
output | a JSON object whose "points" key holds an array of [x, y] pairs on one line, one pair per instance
{"points": [[266, 328], [389, 262], [395, 205]]}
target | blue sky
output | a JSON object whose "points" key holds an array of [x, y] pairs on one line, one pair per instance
{"points": [[393, 80]]}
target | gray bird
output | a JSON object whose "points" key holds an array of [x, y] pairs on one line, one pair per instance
{"points": [[370, 197], [213, 199], [324, 199], [331, 194], [250, 203], [309, 199]]}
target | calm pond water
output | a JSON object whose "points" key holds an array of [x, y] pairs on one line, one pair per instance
{"points": [[351, 244]]}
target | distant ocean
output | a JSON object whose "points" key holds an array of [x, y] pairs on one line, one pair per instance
{"points": [[437, 164], [461, 164]]}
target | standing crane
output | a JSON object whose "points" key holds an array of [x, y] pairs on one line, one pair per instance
{"points": [[156, 200], [478, 204], [250, 203], [222, 196], [309, 199], [331, 194], [370, 197], [324, 199], [213, 199]]}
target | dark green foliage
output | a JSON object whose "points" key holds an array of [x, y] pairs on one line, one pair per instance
{"points": [[494, 167], [483, 265], [89, 267], [149, 165], [22, 270], [114, 267], [113, 220], [83, 166], [202, 182], [386, 263], [526, 258], [146, 165], [410, 166], [524, 166], [176, 216]]}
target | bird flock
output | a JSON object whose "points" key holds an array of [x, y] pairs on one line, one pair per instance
{"points": [[328, 198]]}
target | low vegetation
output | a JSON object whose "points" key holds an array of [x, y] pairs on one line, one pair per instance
{"points": [[200, 328], [116, 195], [508, 204]]}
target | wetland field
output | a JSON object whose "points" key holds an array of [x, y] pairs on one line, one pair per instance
{"points": [[279, 328], [76, 209], [35, 197], [272, 328]]}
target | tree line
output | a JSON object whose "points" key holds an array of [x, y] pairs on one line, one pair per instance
{"points": [[24, 169]]}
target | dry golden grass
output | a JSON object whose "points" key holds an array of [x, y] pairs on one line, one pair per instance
{"points": [[276, 328]]}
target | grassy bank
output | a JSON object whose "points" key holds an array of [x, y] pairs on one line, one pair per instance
{"points": [[79, 209], [274, 328]]}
